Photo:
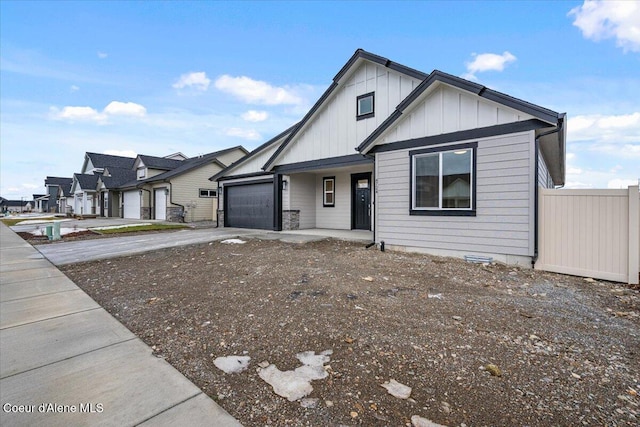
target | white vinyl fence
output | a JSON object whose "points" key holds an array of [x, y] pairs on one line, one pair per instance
{"points": [[592, 233]]}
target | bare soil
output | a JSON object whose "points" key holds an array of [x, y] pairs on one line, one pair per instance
{"points": [[566, 351]]}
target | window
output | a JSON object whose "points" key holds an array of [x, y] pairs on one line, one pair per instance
{"points": [[443, 181], [204, 192], [142, 173], [329, 192], [365, 105]]}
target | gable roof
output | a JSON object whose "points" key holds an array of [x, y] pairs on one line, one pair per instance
{"points": [[86, 181], [116, 177], [252, 154], [105, 160], [163, 163], [541, 113], [184, 167], [358, 56]]}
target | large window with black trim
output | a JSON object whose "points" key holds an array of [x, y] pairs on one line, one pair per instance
{"points": [[443, 180]]}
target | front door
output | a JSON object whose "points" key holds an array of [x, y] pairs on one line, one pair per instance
{"points": [[361, 201]]}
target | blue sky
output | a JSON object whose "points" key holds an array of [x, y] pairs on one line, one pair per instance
{"points": [[160, 77]]}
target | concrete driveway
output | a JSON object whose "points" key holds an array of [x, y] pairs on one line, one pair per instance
{"points": [[111, 247]]}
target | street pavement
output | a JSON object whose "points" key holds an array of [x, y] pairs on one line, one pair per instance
{"points": [[65, 361]]}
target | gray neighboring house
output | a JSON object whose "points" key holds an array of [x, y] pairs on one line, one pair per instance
{"points": [[108, 187], [426, 162], [59, 194]]}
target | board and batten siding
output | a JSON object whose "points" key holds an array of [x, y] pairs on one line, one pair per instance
{"points": [[334, 130], [447, 109], [503, 226], [255, 163]]}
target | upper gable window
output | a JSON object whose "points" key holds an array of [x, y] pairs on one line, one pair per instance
{"points": [[365, 105]]}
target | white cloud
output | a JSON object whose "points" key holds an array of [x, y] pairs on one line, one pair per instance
{"points": [[197, 80], [74, 88], [616, 129], [249, 134], [88, 114], [600, 20], [102, 55], [123, 153], [125, 109], [255, 116], [257, 92], [487, 62]]}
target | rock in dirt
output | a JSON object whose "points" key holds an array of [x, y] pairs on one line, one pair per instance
{"points": [[397, 389], [493, 370], [232, 364], [418, 421]]}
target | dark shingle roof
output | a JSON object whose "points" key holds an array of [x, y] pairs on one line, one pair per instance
{"points": [[160, 162], [117, 177], [107, 160], [87, 181], [56, 180]]}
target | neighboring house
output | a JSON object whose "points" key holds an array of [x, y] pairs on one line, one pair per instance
{"points": [[173, 189], [40, 202], [15, 206], [109, 182], [58, 194], [441, 164], [84, 190]]}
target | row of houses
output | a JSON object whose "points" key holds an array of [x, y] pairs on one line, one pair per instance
{"points": [[172, 188]]}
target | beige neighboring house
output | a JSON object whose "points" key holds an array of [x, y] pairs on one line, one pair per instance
{"points": [[176, 188]]}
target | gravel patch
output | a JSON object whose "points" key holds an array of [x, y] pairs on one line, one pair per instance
{"points": [[473, 344]]}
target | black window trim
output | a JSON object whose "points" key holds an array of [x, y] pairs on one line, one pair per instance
{"points": [[373, 106], [209, 190], [445, 211], [324, 192]]}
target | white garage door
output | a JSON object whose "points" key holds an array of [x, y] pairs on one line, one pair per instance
{"points": [[132, 204], [161, 203]]}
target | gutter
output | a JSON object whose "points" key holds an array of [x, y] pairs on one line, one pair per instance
{"points": [[559, 128]]}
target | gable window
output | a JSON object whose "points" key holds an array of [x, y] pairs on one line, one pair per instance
{"points": [[142, 173], [365, 105], [329, 191], [443, 180], [205, 192]]}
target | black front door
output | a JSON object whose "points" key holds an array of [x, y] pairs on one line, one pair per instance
{"points": [[361, 201]]}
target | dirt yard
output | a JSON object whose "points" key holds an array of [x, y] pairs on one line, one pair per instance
{"points": [[479, 345]]}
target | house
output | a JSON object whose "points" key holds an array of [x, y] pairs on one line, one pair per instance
{"points": [[108, 187], [176, 188], [40, 202], [85, 200], [59, 194], [15, 206], [441, 165]]}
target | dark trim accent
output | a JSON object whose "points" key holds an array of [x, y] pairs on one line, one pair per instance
{"points": [[474, 180], [373, 106], [277, 202], [257, 181], [359, 53], [302, 122], [462, 135], [324, 179], [220, 175], [438, 76], [354, 179], [331, 162], [244, 175]]}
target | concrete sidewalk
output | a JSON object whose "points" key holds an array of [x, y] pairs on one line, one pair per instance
{"points": [[65, 361]]}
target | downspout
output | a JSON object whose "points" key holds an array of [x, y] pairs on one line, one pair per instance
{"points": [[171, 198], [218, 208], [536, 191]]}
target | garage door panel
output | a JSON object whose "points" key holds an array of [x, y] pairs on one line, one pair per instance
{"points": [[249, 206], [131, 201]]}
